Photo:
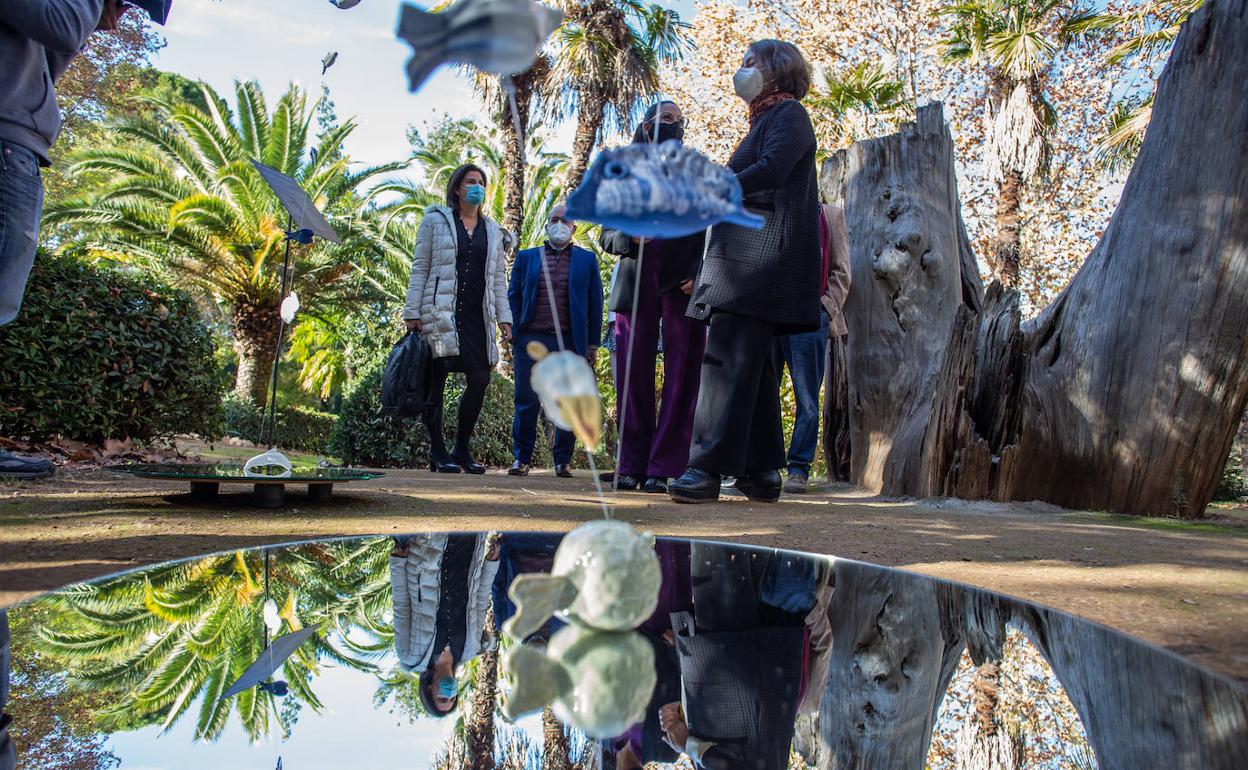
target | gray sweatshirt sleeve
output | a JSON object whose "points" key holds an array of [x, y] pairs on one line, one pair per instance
{"points": [[61, 26]]}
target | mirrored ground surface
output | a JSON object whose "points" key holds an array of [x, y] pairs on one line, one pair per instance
{"points": [[236, 472], [393, 652]]}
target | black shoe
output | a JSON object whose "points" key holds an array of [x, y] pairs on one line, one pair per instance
{"points": [[24, 468], [761, 486], [607, 477], [441, 462], [695, 486], [518, 469], [563, 471], [626, 483], [467, 463], [655, 485]]}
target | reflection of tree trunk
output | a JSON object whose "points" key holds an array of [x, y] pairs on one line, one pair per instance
{"points": [[985, 696], [555, 743], [255, 342], [1125, 393], [480, 726]]}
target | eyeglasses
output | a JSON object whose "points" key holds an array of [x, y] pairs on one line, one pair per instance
{"points": [[670, 120]]}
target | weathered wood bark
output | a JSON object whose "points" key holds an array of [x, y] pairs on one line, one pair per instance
{"points": [[836, 447], [1124, 393], [912, 268], [897, 638]]}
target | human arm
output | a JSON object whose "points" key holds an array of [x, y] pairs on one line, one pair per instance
{"points": [[422, 263], [789, 137], [839, 277], [502, 307], [616, 242], [58, 25], [515, 286], [593, 307]]}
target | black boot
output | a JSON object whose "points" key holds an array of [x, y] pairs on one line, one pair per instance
{"points": [[761, 486], [439, 459], [465, 460], [695, 486]]}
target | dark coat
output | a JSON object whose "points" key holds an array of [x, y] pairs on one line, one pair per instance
{"points": [[584, 296], [679, 260], [741, 691], [771, 274]]}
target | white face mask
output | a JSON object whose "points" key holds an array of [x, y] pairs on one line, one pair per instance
{"points": [[748, 83], [559, 233]]}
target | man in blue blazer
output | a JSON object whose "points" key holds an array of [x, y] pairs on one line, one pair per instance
{"points": [[575, 310]]}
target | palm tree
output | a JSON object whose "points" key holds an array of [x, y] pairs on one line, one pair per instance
{"points": [[159, 642], [182, 198], [848, 100], [605, 63], [1015, 41], [1150, 30], [479, 722]]}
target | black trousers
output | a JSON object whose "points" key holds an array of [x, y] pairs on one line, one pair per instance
{"points": [[470, 404], [737, 428]]}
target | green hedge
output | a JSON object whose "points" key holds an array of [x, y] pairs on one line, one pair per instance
{"points": [[104, 353], [364, 437], [296, 427]]}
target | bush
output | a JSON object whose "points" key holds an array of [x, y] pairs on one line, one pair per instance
{"points": [[297, 427], [1232, 485], [105, 353], [364, 437]]}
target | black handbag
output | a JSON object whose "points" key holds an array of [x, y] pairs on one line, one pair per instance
{"points": [[408, 378]]}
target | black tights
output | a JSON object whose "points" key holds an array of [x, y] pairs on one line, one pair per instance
{"points": [[470, 404]]}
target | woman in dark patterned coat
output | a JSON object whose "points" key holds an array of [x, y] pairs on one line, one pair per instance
{"points": [[756, 284]]}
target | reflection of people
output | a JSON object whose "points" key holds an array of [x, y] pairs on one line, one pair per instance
{"points": [[755, 284], [650, 452], [575, 310], [457, 291], [441, 587], [38, 40], [741, 658]]}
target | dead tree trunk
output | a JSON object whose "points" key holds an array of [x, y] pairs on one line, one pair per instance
{"points": [[1124, 393]]}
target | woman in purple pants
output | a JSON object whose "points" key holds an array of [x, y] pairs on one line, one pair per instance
{"points": [[654, 447]]}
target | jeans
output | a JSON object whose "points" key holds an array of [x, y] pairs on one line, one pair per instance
{"points": [[529, 406], [21, 207], [805, 356]]}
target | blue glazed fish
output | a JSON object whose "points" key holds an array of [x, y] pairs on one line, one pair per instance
{"points": [[662, 190], [498, 36]]}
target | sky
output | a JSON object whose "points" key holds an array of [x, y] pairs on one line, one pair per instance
{"points": [[282, 41]]}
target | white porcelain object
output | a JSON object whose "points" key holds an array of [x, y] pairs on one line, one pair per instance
{"points": [[290, 306], [257, 466], [569, 392], [605, 576]]}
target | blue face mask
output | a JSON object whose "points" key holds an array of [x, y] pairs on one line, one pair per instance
{"points": [[446, 687], [476, 195]]}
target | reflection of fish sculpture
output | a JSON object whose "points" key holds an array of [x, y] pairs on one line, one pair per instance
{"points": [[569, 392], [344, 4], [662, 190], [605, 576], [596, 681], [498, 36]]}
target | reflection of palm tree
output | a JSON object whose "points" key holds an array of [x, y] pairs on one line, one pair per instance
{"points": [[479, 725], [188, 631], [555, 749]]}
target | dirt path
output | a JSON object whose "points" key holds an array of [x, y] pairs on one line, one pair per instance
{"points": [[1182, 586]]}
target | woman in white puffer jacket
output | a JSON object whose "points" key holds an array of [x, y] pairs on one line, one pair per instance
{"points": [[456, 295]]}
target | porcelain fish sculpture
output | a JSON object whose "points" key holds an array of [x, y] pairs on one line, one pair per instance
{"points": [[290, 306], [271, 464], [498, 36], [663, 190], [569, 392], [599, 682], [605, 576]]}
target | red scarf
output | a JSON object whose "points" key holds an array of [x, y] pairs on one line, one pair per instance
{"points": [[765, 102]]}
